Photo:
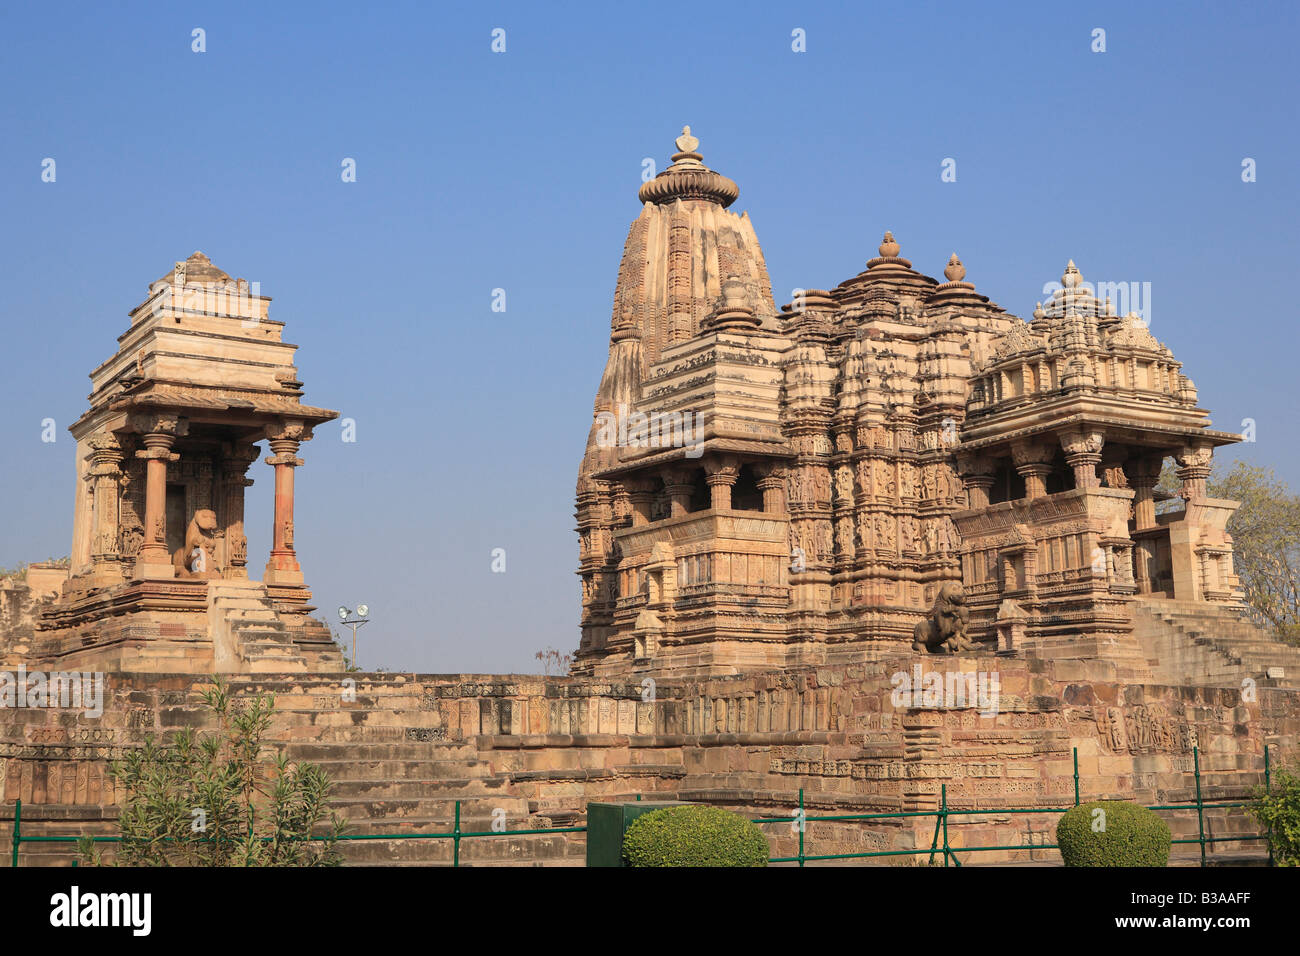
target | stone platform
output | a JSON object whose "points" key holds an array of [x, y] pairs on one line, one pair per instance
{"points": [[539, 748]]}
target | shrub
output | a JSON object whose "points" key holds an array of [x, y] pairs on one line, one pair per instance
{"points": [[694, 836], [1279, 810], [1112, 833], [216, 800]]}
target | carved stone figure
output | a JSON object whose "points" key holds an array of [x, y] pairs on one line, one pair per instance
{"points": [[944, 631], [199, 537]]}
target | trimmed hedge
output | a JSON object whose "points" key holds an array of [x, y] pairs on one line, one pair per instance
{"points": [[1126, 835], [694, 836]]}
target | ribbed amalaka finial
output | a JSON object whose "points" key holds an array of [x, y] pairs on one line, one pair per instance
{"points": [[954, 271], [689, 178], [888, 247], [1038, 311]]}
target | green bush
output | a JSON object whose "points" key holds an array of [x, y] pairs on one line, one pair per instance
{"points": [[1279, 810], [1112, 833], [219, 799], [694, 836]]}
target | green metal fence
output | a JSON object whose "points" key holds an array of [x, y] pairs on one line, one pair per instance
{"points": [[800, 821], [455, 834], [942, 815]]}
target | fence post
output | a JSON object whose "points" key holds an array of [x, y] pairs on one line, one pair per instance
{"points": [[455, 839], [1200, 814], [943, 809], [1076, 776], [18, 814], [1268, 788], [803, 825]]}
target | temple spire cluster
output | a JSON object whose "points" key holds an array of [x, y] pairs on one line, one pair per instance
{"points": [[805, 484]]}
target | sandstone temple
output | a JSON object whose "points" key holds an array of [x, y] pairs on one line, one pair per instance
{"points": [[764, 489], [159, 563], [780, 513]]}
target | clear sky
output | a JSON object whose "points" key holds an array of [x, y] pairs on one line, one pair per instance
{"points": [[478, 170]]}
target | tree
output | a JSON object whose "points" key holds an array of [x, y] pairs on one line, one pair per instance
{"points": [[1266, 540], [217, 801], [553, 659]]}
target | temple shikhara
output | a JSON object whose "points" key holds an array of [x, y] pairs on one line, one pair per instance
{"points": [[159, 577], [797, 486], [784, 515]]}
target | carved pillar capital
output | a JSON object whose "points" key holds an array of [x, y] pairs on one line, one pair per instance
{"points": [[1195, 461], [1083, 453], [976, 473], [1033, 461]]}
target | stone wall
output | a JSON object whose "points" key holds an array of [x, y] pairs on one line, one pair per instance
{"points": [[403, 748]]}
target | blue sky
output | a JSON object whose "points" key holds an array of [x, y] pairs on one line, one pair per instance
{"points": [[518, 170]]}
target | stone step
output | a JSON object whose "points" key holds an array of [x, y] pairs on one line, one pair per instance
{"points": [[367, 770], [394, 809], [397, 750], [416, 789]]}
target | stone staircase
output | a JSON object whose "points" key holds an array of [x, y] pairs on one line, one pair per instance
{"points": [[410, 788], [1191, 642], [247, 635]]}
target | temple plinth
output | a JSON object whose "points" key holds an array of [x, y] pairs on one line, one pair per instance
{"points": [[159, 561]]}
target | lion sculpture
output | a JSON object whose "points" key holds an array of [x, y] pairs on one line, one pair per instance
{"points": [[195, 558], [944, 631]]}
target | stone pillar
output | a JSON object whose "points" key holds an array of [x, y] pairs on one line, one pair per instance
{"points": [[641, 492], [1143, 475], [159, 433], [235, 461], [977, 476], [1034, 463], [1083, 454], [283, 567], [772, 484], [1141, 580], [106, 536], [679, 486], [1194, 464], [721, 477]]}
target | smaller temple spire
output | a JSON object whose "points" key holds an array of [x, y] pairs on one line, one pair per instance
{"points": [[1071, 277], [733, 310], [889, 259]]}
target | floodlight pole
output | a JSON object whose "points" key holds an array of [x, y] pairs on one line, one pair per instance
{"points": [[354, 625]]}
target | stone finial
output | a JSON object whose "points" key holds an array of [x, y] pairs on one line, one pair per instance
{"points": [[688, 178], [888, 247], [733, 309], [1038, 311], [1071, 277], [954, 271]]}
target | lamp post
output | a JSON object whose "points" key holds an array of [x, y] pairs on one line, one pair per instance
{"points": [[361, 618]]}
